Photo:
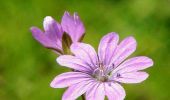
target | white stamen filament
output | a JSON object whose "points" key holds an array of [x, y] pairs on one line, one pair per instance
{"points": [[102, 73]]}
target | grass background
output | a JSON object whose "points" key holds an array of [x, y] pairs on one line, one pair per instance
{"points": [[26, 68]]}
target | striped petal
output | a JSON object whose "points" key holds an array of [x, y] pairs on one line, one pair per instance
{"points": [[73, 26], [68, 79], [114, 91], [132, 77], [123, 50], [134, 64], [85, 52], [107, 47], [73, 63], [76, 90], [96, 92]]}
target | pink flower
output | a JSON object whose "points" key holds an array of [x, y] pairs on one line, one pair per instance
{"points": [[100, 74], [56, 36]]}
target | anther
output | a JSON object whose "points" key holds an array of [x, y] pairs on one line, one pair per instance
{"points": [[118, 75], [113, 65]]}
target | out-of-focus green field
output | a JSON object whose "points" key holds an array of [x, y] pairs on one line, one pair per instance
{"points": [[27, 68]]}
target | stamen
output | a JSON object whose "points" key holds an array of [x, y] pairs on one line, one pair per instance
{"points": [[110, 68], [99, 74], [109, 84]]}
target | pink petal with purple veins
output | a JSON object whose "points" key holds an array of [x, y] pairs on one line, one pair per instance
{"points": [[68, 79], [123, 50], [85, 52], [53, 30], [76, 90], [132, 77], [96, 92], [107, 47], [73, 26], [114, 91], [43, 39], [74, 63], [134, 64]]}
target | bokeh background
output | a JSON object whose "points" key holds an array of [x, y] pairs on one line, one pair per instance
{"points": [[27, 68]]}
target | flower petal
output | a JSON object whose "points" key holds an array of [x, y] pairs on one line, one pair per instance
{"points": [[43, 39], [123, 50], [73, 26], [96, 92], [68, 79], [85, 52], [134, 64], [132, 77], [107, 47], [73, 62], [76, 90], [114, 91], [53, 30]]}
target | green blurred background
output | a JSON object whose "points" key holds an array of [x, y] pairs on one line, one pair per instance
{"points": [[27, 68]]}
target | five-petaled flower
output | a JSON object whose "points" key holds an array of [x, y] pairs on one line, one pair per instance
{"points": [[100, 74], [59, 37]]}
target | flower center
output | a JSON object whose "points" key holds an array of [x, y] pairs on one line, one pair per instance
{"points": [[101, 73]]}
